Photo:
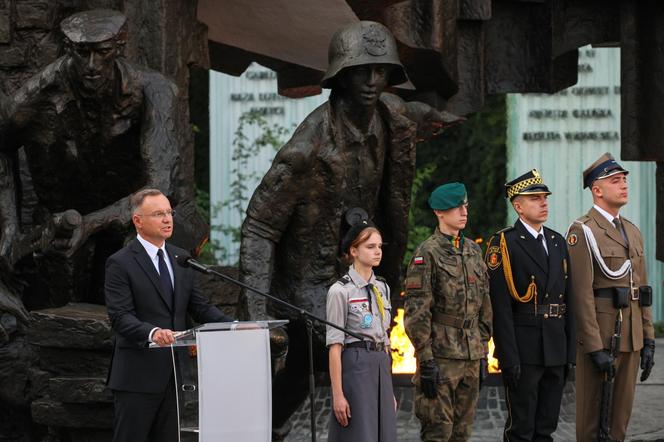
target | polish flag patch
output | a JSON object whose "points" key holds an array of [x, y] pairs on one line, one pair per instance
{"points": [[418, 260]]}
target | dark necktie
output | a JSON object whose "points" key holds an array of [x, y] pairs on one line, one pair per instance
{"points": [[540, 241], [165, 277], [619, 226]]}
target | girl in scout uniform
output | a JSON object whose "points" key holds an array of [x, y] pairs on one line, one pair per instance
{"points": [[361, 377]]}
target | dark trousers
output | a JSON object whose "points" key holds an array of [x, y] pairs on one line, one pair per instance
{"points": [[143, 417], [534, 405]]}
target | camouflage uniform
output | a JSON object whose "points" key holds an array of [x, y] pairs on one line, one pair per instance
{"points": [[448, 319]]}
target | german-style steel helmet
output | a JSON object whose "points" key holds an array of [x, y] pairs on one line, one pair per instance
{"points": [[362, 43]]}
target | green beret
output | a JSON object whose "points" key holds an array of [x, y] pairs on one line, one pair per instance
{"points": [[448, 196]]}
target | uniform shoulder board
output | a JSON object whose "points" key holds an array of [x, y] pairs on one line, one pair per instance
{"points": [[628, 221], [584, 219], [552, 233], [506, 229], [381, 279], [344, 280]]}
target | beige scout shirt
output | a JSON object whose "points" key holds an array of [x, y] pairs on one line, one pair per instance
{"points": [[595, 317], [349, 305]]}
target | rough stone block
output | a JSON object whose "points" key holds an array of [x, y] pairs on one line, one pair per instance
{"points": [[5, 22], [84, 326], [79, 390], [67, 362], [34, 14], [58, 414], [12, 57]]}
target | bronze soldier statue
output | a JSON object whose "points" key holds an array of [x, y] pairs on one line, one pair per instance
{"points": [[448, 320], [355, 150], [611, 291], [533, 319], [80, 136]]}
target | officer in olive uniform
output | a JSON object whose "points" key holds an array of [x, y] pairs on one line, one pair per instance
{"points": [[609, 285], [532, 320], [448, 320]]}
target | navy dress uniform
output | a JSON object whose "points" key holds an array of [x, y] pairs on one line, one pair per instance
{"points": [[363, 307], [532, 319]]}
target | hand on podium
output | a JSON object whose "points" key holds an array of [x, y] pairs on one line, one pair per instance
{"points": [[163, 337]]}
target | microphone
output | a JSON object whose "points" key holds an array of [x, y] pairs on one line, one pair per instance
{"points": [[188, 261]]}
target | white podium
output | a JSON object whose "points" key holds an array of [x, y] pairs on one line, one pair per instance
{"points": [[224, 381]]}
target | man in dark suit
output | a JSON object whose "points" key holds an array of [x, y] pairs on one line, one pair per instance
{"points": [[148, 296], [532, 318]]}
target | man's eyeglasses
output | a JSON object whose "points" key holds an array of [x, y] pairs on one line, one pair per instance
{"points": [[160, 214]]}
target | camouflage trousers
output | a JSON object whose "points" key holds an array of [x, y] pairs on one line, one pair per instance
{"points": [[449, 416]]}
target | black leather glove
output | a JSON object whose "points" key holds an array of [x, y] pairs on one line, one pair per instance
{"points": [[602, 359], [647, 358], [569, 367], [511, 376], [429, 378], [484, 371]]}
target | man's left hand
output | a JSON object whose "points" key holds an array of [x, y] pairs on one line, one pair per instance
{"points": [[647, 358]]}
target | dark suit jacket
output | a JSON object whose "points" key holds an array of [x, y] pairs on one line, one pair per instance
{"points": [[136, 304], [521, 337]]}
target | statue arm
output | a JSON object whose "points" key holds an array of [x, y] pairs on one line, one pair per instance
{"points": [[268, 215], [430, 121]]}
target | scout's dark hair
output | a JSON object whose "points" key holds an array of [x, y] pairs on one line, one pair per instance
{"points": [[360, 238], [137, 198]]}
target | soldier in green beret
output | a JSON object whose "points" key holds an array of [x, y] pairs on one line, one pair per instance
{"points": [[448, 320]]}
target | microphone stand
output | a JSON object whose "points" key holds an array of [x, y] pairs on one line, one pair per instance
{"points": [[304, 314]]}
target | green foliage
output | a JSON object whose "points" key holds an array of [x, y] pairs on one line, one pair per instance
{"points": [[659, 329], [473, 153], [270, 136]]}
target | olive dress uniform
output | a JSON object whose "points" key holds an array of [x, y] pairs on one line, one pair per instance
{"points": [[595, 311], [353, 303], [532, 319], [448, 320]]}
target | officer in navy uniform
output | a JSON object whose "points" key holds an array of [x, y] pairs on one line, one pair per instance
{"points": [[532, 318]]}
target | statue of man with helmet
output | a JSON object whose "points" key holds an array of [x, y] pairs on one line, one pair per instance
{"points": [[355, 150]]}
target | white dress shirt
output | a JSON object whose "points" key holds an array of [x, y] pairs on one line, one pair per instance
{"points": [[535, 233], [606, 214], [152, 253]]}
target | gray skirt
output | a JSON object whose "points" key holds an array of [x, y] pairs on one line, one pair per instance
{"points": [[367, 386]]}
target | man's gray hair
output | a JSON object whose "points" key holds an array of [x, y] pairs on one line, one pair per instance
{"points": [[136, 200]]}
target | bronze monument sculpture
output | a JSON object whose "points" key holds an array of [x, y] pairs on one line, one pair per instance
{"points": [[93, 128], [356, 150], [76, 139]]}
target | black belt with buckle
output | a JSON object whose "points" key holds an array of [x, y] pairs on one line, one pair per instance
{"points": [[368, 345], [546, 310], [608, 293]]}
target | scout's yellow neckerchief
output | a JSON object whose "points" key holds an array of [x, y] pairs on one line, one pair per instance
{"points": [[531, 292], [379, 300]]}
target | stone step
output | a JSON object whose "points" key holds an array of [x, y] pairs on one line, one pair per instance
{"points": [[75, 325], [79, 390], [58, 414]]}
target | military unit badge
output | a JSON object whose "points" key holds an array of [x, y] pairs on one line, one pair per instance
{"points": [[493, 257], [572, 239]]}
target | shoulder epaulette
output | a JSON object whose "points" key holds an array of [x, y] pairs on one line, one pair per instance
{"points": [[506, 229], [381, 279], [551, 231], [344, 280]]}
